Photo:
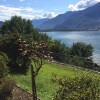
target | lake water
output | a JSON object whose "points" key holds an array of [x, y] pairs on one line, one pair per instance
{"points": [[90, 37]]}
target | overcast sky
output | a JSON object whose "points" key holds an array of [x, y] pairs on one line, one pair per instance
{"points": [[33, 9]]}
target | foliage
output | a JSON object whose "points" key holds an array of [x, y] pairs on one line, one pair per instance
{"points": [[3, 65], [6, 87], [78, 54], [78, 88], [22, 47], [45, 88], [75, 60], [19, 49], [60, 51], [82, 55], [6, 84], [81, 49], [17, 25], [20, 52], [9, 45]]}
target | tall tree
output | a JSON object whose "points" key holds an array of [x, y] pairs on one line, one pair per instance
{"points": [[17, 25]]}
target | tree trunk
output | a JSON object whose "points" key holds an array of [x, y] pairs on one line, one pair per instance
{"points": [[34, 93]]}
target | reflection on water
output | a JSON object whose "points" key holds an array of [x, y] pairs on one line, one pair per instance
{"points": [[90, 37]]}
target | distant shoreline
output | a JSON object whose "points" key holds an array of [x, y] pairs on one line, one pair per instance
{"points": [[69, 31]]}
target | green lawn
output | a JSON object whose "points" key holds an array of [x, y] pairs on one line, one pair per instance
{"points": [[45, 87]]}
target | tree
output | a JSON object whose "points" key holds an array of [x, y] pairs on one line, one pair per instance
{"points": [[81, 49], [24, 54], [9, 45], [17, 25], [59, 51], [34, 54]]}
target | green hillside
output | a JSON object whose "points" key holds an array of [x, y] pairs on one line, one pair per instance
{"points": [[45, 87]]}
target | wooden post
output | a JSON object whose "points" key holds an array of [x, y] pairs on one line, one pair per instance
{"points": [[34, 93]]}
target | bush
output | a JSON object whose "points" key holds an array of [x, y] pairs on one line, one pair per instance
{"points": [[3, 69], [6, 84], [75, 60], [6, 87], [78, 88], [3, 65]]}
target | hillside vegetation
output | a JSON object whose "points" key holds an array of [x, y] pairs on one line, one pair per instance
{"points": [[25, 47], [45, 87], [79, 54]]}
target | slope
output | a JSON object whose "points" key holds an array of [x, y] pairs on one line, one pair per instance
{"points": [[45, 87]]}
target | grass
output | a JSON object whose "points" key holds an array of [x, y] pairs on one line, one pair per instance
{"points": [[45, 87]]}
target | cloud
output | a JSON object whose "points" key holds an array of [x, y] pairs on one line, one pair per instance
{"points": [[49, 14], [82, 4], [46, 15], [26, 12]]}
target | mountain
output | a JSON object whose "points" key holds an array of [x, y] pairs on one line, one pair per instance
{"points": [[38, 22], [51, 23], [88, 19]]}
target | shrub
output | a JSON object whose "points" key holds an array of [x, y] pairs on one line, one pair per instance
{"points": [[78, 88], [6, 84], [6, 87], [75, 60], [3, 65]]}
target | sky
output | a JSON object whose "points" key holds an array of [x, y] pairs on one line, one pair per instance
{"points": [[37, 9]]}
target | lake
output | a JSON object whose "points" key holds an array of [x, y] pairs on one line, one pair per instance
{"points": [[90, 37]]}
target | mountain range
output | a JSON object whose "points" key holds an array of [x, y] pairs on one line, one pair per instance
{"points": [[37, 22], [88, 19]]}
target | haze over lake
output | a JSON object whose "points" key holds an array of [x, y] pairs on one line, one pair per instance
{"points": [[90, 37]]}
